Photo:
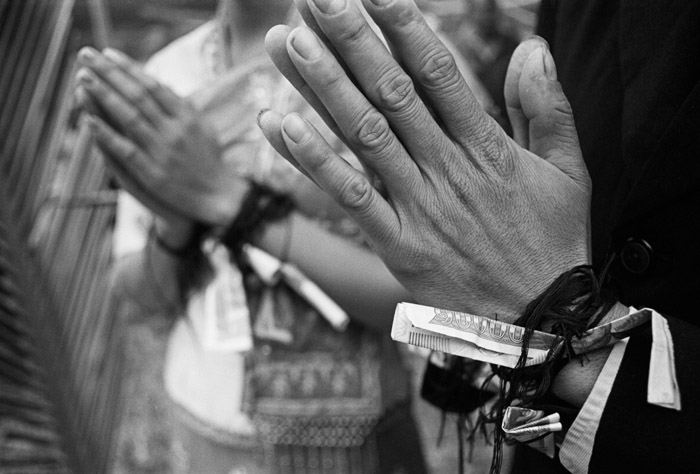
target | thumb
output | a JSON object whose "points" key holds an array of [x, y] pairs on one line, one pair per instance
{"points": [[552, 132], [511, 90]]}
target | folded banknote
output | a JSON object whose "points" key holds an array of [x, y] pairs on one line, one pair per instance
{"points": [[533, 427], [467, 335], [497, 342]]}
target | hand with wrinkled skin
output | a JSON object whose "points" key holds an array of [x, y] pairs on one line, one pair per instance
{"points": [[158, 146], [470, 219]]}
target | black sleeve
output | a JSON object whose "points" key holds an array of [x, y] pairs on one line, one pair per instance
{"points": [[635, 436]]}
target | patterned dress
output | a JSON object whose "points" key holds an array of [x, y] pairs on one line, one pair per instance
{"points": [[306, 397]]}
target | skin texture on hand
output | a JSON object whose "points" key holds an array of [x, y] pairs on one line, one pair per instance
{"points": [[468, 219], [159, 148]]}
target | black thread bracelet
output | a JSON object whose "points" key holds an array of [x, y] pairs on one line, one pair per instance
{"points": [[260, 205], [192, 268], [574, 302]]}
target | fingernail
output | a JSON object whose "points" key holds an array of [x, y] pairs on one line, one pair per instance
{"points": [[550, 68], [86, 77], [87, 54], [381, 3], [295, 128], [305, 43], [330, 6], [536, 61], [260, 114], [112, 54]]}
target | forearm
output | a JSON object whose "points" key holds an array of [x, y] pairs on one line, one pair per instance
{"points": [[353, 276], [149, 278]]}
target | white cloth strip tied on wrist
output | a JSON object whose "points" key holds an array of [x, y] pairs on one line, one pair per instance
{"points": [[497, 342], [270, 269]]}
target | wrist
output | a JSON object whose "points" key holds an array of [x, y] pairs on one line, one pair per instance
{"points": [[173, 234], [275, 237]]}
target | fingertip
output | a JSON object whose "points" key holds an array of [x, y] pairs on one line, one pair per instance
{"points": [[304, 42], [276, 33], [536, 39], [86, 77], [534, 65], [550, 68], [87, 54], [114, 55], [269, 121], [276, 45], [258, 118]]}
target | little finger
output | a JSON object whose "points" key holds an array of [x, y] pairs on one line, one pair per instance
{"points": [[276, 46]]}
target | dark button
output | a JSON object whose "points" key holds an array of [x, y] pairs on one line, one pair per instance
{"points": [[636, 255]]}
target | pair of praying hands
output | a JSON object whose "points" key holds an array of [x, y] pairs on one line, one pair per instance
{"points": [[467, 218]]}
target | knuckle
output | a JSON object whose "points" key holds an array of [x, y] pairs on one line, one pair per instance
{"points": [[407, 18], [132, 119], [109, 68], [354, 33], [150, 84], [493, 151], [356, 194], [395, 91], [331, 82], [140, 95], [373, 132], [439, 70], [130, 153]]}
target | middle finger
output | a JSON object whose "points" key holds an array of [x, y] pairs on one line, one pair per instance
{"points": [[366, 130], [382, 79]]}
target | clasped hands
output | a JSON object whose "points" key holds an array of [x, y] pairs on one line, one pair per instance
{"points": [[160, 149], [469, 219]]}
